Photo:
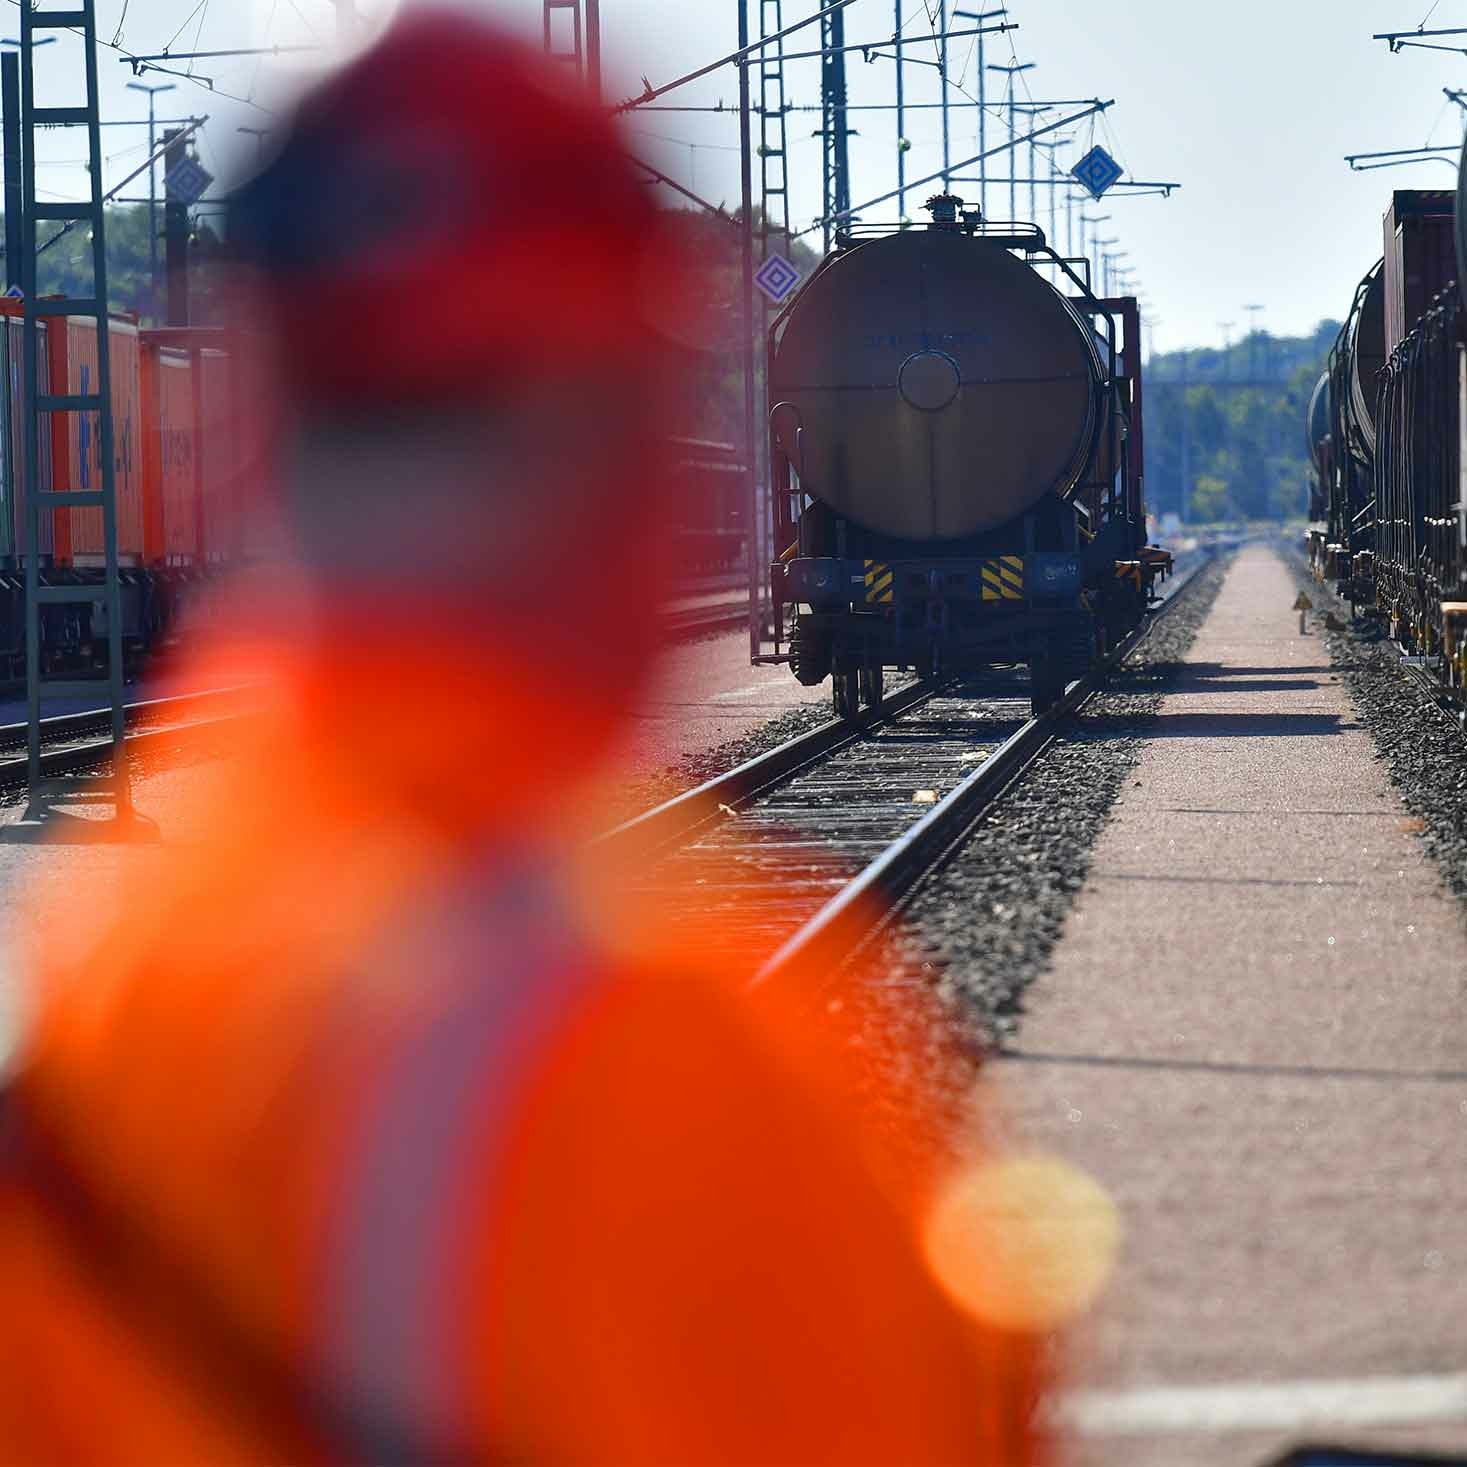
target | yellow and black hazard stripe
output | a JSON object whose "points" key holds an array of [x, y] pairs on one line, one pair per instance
{"points": [[1003, 579], [878, 582]]}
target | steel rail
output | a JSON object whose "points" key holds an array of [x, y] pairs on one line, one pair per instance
{"points": [[861, 906], [71, 725], [695, 620], [71, 758], [67, 749], [727, 793], [1441, 698]]}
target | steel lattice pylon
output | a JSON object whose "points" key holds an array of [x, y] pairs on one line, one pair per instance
{"points": [[837, 197], [104, 602]]}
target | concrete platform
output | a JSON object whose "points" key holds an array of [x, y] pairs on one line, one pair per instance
{"points": [[1254, 1035], [36, 868]]}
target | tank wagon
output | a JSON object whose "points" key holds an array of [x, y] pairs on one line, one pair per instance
{"points": [[1321, 449], [177, 473], [1342, 549], [956, 461], [709, 510], [1415, 567]]}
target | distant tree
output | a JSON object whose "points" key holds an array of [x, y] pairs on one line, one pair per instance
{"points": [[1236, 418], [65, 266], [713, 405]]}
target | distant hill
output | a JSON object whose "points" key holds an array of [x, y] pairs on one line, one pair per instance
{"points": [[1225, 429]]}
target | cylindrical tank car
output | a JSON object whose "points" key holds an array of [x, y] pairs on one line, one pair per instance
{"points": [[956, 450]]}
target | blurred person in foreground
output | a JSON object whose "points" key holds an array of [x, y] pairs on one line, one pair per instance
{"points": [[360, 1131]]}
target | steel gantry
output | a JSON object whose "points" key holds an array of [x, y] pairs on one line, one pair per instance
{"points": [[584, 50], [42, 399]]}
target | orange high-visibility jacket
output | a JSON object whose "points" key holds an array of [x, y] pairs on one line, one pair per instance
{"points": [[340, 1137]]}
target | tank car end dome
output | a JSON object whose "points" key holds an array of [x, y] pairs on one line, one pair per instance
{"points": [[929, 385]]}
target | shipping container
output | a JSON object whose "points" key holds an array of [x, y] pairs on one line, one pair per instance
{"points": [[219, 469], [79, 531], [1420, 257], [13, 440], [174, 429]]}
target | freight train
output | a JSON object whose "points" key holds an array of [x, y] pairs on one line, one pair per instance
{"points": [[956, 451], [178, 460], [1393, 536], [709, 514]]}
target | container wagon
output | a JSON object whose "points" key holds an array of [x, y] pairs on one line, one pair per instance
{"points": [[176, 476], [1343, 551]]}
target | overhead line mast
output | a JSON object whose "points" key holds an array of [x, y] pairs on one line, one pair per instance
{"points": [[834, 128], [42, 401]]}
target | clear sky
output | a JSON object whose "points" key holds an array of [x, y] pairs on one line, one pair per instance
{"points": [[1249, 106]]}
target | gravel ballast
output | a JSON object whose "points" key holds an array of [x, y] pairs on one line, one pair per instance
{"points": [[1423, 748]]}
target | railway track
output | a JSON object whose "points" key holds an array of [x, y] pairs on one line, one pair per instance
{"points": [[695, 621], [74, 742], [797, 856]]}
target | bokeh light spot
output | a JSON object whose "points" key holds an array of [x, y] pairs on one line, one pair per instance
{"points": [[1024, 1242]]}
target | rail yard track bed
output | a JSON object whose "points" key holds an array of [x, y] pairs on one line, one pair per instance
{"points": [[988, 920], [162, 733], [763, 873], [1251, 1033]]}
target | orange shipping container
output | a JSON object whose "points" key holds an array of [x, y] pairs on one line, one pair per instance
{"points": [[176, 432], [84, 445], [13, 434], [220, 458]]}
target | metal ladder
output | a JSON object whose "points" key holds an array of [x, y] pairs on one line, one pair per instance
{"points": [[774, 201], [39, 399]]}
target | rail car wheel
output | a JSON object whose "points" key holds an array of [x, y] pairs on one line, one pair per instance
{"points": [[1052, 668], [1046, 685], [845, 694], [809, 656], [872, 686]]}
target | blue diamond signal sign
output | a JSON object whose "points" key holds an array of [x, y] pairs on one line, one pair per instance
{"points": [[776, 277], [186, 182], [1097, 170]]}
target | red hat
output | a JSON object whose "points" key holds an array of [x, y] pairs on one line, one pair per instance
{"points": [[448, 211]]}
